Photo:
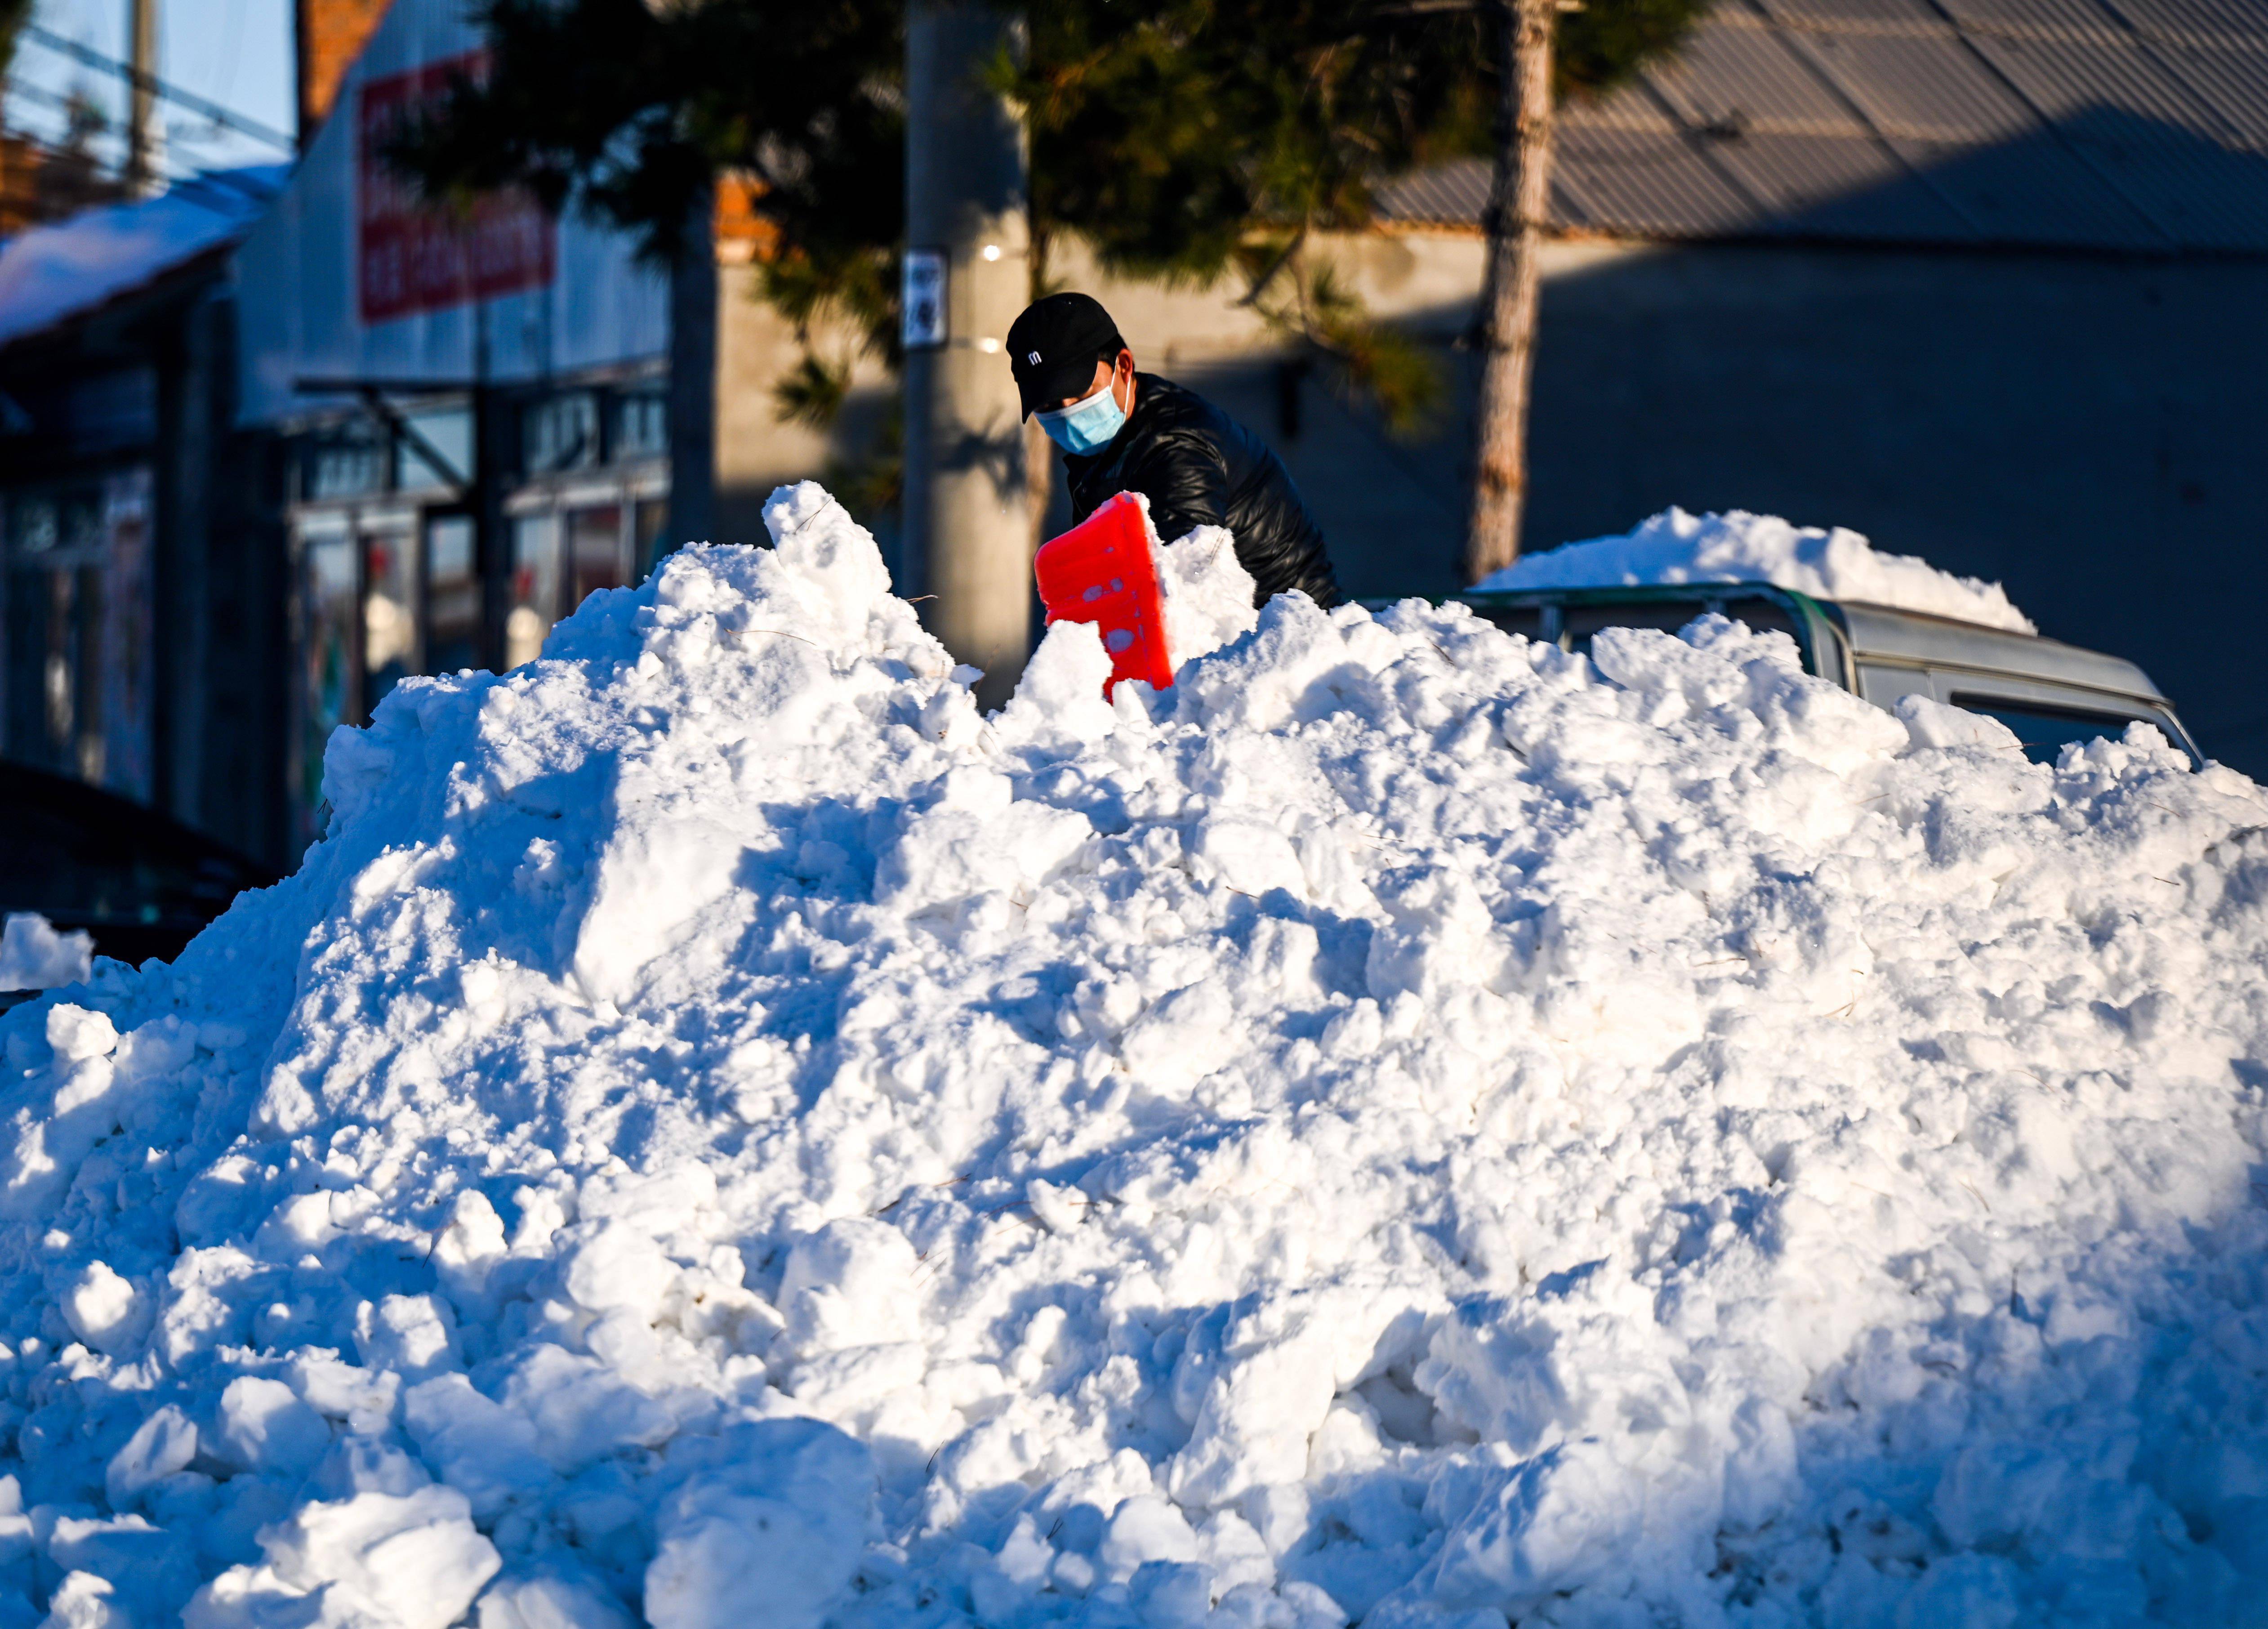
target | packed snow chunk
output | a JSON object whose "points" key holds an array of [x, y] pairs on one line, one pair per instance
{"points": [[563, 1597], [34, 956], [1406, 1126], [1563, 1519], [79, 1034], [163, 1445], [412, 1335], [85, 1600], [768, 1532], [1833, 564], [1207, 592], [406, 1560], [1060, 696], [105, 1311], [850, 1284], [487, 1452], [584, 1408], [265, 1426]]}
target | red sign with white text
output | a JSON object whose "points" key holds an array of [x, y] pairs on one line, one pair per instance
{"points": [[412, 256]]}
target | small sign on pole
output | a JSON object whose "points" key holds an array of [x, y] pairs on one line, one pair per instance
{"points": [[922, 299]]}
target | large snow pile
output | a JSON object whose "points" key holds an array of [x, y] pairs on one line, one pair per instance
{"points": [[1409, 1125], [1834, 564]]}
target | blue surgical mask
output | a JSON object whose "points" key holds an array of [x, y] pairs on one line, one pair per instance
{"points": [[1087, 426]]}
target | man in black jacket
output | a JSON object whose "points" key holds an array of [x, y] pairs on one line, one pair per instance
{"points": [[1124, 432]]}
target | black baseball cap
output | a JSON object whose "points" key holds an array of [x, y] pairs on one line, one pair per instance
{"points": [[1053, 346]]}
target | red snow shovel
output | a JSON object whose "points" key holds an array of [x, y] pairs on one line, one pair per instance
{"points": [[1102, 572]]}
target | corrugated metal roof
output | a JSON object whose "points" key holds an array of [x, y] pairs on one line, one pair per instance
{"points": [[2232, 87], [1658, 183], [2136, 125]]}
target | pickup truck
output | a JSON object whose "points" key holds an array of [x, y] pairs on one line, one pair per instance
{"points": [[2048, 693]]}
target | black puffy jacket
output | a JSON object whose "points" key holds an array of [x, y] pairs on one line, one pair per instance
{"points": [[1199, 466]]}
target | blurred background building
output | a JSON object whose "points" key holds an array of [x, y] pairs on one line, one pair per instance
{"points": [[1984, 279]]}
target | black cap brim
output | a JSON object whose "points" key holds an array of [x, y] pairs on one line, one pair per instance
{"points": [[1049, 388]]}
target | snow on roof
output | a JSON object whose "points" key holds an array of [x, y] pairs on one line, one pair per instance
{"points": [[1407, 1124], [1833, 564], [59, 270]]}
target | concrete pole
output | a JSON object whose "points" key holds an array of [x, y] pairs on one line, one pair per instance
{"points": [[968, 527], [145, 137]]}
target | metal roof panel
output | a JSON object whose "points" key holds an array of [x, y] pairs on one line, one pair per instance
{"points": [[1747, 76], [2211, 22], [2070, 17], [2065, 78], [1860, 14], [1452, 194], [1844, 188], [2233, 82], [2108, 124], [1930, 87], [1642, 182], [1628, 106]]}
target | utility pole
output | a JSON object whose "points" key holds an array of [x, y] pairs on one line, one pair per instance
{"points": [[145, 138], [968, 522]]}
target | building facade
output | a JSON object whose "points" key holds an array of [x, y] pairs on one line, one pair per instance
{"points": [[474, 414]]}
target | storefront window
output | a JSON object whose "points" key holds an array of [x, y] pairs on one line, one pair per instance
{"points": [[560, 434], [641, 426], [594, 552], [453, 596], [71, 676], [79, 631], [47, 523], [449, 433], [389, 632], [535, 587], [344, 460]]}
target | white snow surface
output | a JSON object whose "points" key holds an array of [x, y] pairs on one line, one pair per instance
{"points": [[1407, 1126], [34, 956], [1828, 564]]}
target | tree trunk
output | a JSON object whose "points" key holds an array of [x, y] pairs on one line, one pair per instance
{"points": [[1518, 208]]}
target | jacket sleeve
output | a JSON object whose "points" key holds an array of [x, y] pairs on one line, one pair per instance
{"points": [[1186, 480]]}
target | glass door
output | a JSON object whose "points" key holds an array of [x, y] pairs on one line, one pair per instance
{"points": [[534, 586], [596, 552]]}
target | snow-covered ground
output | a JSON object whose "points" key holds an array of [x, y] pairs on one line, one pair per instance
{"points": [[1409, 1125], [1831, 563]]}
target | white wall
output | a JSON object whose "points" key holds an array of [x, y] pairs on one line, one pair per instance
{"points": [[296, 272]]}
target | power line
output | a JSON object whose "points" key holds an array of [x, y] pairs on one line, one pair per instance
{"points": [[40, 95], [195, 135], [135, 76]]}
